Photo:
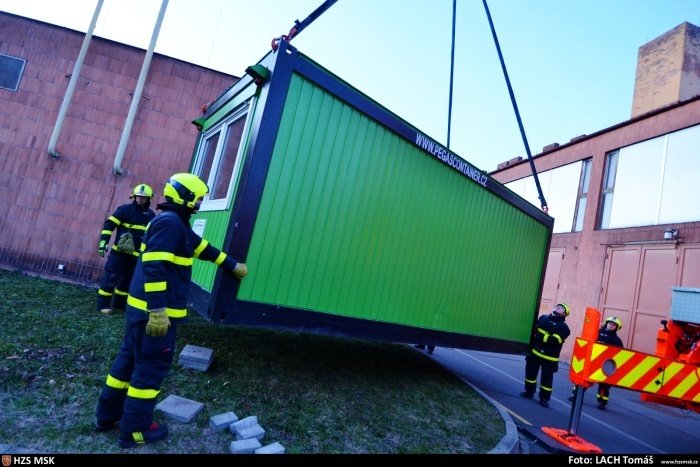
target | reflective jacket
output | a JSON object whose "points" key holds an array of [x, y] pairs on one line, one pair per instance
{"points": [[131, 217], [550, 334], [164, 269]]}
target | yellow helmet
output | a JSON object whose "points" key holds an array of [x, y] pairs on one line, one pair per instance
{"points": [[185, 189], [613, 319], [142, 190], [566, 308]]}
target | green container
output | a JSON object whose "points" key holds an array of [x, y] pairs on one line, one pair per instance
{"points": [[353, 222]]}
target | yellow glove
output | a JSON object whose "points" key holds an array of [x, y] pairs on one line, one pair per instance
{"points": [[240, 270], [158, 323], [126, 243]]}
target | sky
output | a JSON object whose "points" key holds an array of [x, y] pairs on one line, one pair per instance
{"points": [[571, 63]]}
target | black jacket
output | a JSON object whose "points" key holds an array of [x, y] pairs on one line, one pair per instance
{"points": [[609, 337], [550, 334], [131, 217], [164, 269]]}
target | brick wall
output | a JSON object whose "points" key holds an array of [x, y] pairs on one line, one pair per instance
{"points": [[54, 208], [668, 69]]}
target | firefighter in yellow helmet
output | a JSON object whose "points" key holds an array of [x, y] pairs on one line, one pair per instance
{"points": [[550, 333], [129, 220], [157, 302], [607, 334]]}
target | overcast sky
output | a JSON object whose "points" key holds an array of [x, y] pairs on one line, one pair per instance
{"points": [[571, 63]]}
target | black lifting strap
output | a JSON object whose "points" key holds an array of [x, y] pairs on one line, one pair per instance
{"points": [[545, 208]]}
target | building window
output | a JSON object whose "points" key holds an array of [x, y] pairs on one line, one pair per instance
{"points": [[561, 188], [582, 194], [218, 159], [654, 182], [11, 70], [606, 196]]}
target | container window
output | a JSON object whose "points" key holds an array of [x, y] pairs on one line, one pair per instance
{"points": [[218, 160]]}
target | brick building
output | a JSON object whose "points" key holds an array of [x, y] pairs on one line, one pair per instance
{"points": [[625, 199], [55, 207]]}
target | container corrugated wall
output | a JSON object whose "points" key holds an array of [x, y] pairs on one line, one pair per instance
{"points": [[217, 223], [356, 221]]}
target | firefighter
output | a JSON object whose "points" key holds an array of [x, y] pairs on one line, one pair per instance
{"points": [[157, 302], [130, 222], [607, 334], [550, 333]]}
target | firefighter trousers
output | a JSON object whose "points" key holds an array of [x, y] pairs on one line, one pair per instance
{"points": [[134, 380], [535, 364], [115, 281]]}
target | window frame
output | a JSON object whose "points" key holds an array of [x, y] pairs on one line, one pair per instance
{"points": [[20, 72], [582, 196], [222, 130]]}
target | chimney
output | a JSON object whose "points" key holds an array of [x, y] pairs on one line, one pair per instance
{"points": [[668, 69]]}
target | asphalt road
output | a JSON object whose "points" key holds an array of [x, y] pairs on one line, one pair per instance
{"points": [[627, 426]]}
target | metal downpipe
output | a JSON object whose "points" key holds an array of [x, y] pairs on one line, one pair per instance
{"points": [[123, 142], [68, 96]]}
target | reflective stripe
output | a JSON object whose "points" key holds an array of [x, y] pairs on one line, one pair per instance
{"points": [[115, 383], [176, 312], [531, 381], [142, 393], [546, 357], [137, 303], [138, 437], [115, 220], [103, 293], [220, 259], [558, 337], [545, 388], [134, 226], [141, 305], [200, 248], [164, 256], [155, 286], [116, 248], [119, 292], [106, 232]]}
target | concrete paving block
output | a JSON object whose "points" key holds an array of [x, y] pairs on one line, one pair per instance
{"points": [[254, 431], [242, 423], [274, 448], [194, 353], [180, 409], [194, 366], [222, 421], [244, 446]]}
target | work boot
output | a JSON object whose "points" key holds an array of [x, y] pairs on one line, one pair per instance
{"points": [[106, 311], [154, 433], [544, 403], [571, 398], [104, 425], [601, 405], [526, 395]]}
